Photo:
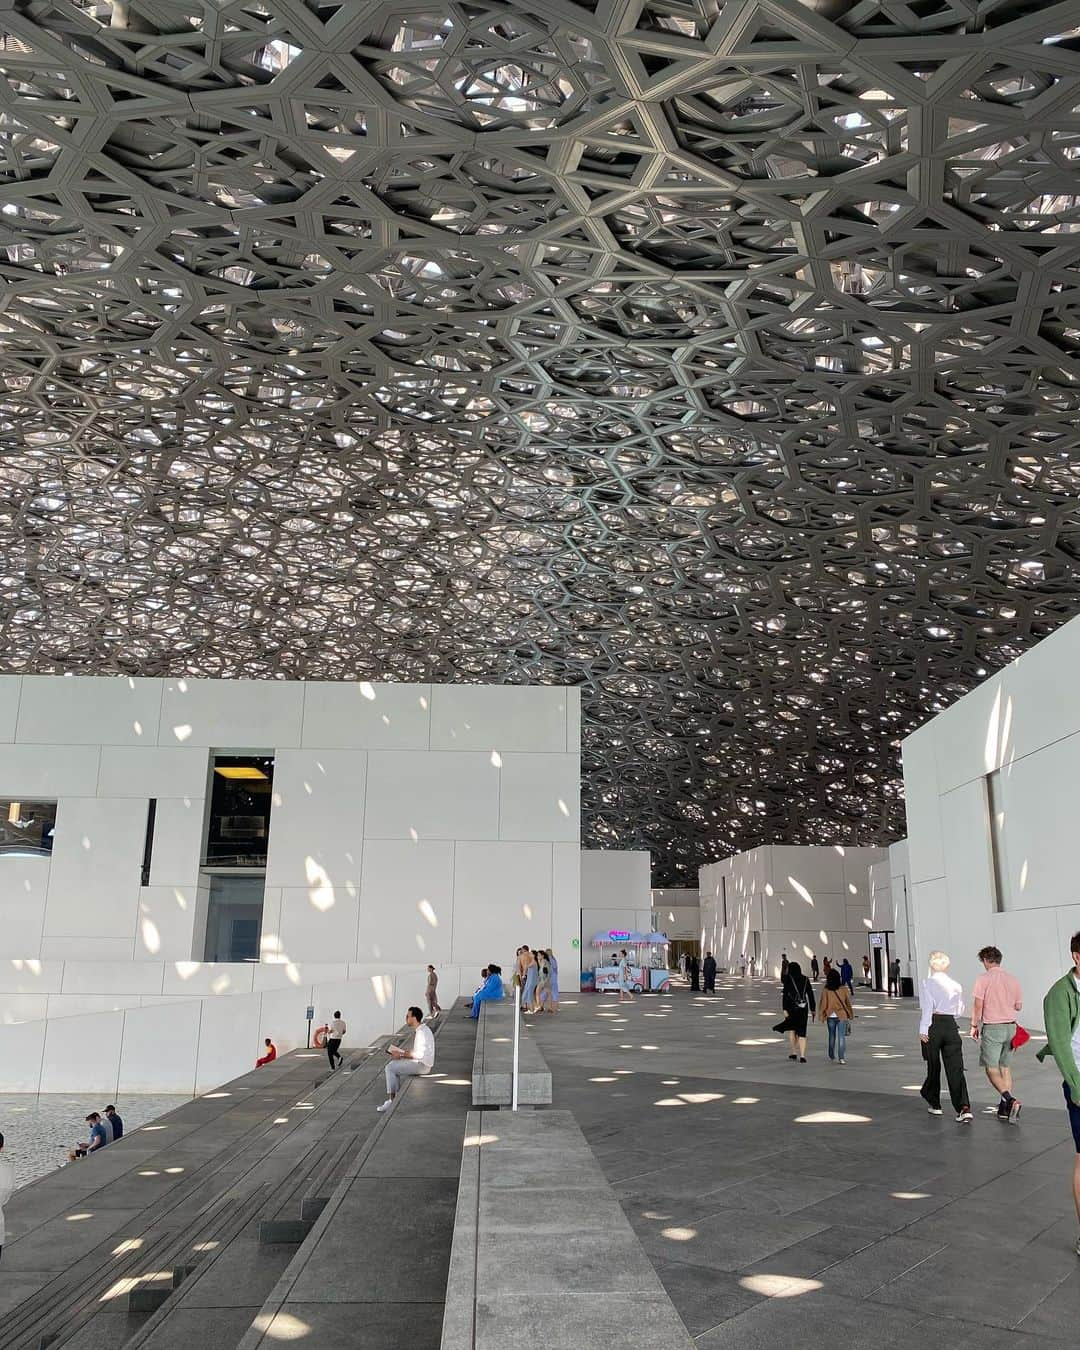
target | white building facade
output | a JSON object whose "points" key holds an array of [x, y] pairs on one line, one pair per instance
{"points": [[398, 825], [993, 795], [804, 901]]}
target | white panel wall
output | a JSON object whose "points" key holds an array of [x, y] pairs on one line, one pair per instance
{"points": [[615, 894], [1025, 723], [411, 823], [799, 900]]}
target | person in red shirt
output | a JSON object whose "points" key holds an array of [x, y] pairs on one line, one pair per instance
{"points": [[270, 1056], [993, 1024]]}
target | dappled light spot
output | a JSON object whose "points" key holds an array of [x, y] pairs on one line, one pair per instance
{"points": [[670, 1101], [700, 1098], [679, 1234], [320, 887], [479, 1140], [282, 1326], [603, 1080], [746, 1101], [77, 1218], [128, 1245], [832, 1118], [910, 1195], [779, 1286]]}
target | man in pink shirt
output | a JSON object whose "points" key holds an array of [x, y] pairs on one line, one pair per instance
{"points": [[993, 1025]]}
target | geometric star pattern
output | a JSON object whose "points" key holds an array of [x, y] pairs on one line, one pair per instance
{"points": [[719, 357]]}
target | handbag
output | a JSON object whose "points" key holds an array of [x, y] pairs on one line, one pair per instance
{"points": [[1021, 1037]]}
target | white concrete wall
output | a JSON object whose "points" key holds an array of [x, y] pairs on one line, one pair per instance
{"points": [[615, 893], [1024, 725], [410, 823], [677, 912], [800, 900]]}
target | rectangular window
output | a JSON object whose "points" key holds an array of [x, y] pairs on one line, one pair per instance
{"points": [[238, 818], [723, 897], [26, 828], [234, 918]]}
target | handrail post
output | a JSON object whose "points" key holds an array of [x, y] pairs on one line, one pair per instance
{"points": [[517, 1033]]}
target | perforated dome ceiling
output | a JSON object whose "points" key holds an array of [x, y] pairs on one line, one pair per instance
{"points": [[717, 356]]}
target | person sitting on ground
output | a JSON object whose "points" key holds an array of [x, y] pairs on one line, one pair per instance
{"points": [[410, 1063], [99, 1137], [490, 991], [7, 1188], [270, 1056], [114, 1126]]}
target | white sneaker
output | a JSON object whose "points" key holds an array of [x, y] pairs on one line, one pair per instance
{"points": [[934, 1110], [387, 1105]]}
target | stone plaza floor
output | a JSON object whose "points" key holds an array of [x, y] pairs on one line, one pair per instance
{"points": [[787, 1205]]}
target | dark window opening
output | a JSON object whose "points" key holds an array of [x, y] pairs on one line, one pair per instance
{"points": [[234, 918], [238, 824], [26, 828]]}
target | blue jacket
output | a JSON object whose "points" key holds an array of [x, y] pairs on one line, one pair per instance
{"points": [[492, 987]]}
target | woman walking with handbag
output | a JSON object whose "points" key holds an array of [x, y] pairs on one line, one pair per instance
{"points": [[836, 1012], [798, 1004]]}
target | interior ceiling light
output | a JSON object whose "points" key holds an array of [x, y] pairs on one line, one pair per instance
{"points": [[730, 387], [246, 771]]}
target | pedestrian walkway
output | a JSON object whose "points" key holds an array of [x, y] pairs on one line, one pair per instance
{"points": [[786, 1204]]}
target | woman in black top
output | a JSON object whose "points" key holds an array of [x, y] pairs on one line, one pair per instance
{"points": [[798, 1003]]}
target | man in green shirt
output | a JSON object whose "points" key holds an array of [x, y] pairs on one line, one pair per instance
{"points": [[1061, 1017]]}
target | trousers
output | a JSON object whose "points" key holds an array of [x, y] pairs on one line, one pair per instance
{"points": [[837, 1037], [945, 1046], [333, 1048], [398, 1069]]}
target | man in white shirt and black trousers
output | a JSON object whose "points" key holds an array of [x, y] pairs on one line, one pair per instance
{"points": [[335, 1034], [409, 1063], [942, 1001]]}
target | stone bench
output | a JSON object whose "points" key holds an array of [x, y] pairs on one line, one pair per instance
{"points": [[541, 1241], [493, 1060]]}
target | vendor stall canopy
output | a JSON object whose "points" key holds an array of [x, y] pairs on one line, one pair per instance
{"points": [[717, 356]]}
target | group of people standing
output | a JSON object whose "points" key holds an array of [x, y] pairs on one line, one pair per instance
{"points": [[536, 973]]}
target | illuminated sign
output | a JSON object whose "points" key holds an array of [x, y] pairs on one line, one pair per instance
{"points": [[618, 935]]}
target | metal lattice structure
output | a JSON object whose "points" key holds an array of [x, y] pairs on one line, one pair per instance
{"points": [[718, 356]]}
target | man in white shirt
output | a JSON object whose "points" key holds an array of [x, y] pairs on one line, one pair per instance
{"points": [[942, 1002], [335, 1033], [409, 1063], [7, 1187]]}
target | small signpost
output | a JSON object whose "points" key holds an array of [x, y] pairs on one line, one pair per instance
{"points": [[310, 1019]]}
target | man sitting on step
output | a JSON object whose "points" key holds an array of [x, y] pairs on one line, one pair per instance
{"points": [[409, 1063]]}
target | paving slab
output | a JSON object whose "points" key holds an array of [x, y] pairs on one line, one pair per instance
{"points": [[782, 1204]]}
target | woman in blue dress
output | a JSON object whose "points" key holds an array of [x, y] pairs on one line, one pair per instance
{"points": [[528, 993]]}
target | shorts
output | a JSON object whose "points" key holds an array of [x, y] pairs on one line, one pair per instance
{"points": [[995, 1044], [1074, 1115]]}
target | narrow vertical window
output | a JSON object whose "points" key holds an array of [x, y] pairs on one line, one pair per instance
{"points": [[723, 897], [148, 843]]}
